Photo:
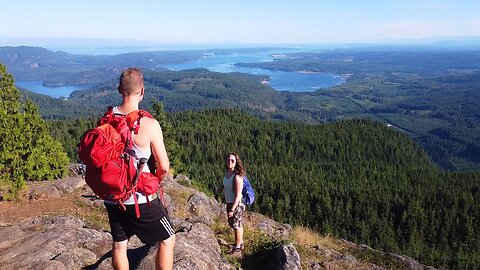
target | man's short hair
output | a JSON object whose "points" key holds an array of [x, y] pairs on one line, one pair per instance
{"points": [[131, 82]]}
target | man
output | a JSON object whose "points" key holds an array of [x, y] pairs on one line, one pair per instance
{"points": [[154, 225]]}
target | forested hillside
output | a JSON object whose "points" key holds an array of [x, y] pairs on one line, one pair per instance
{"points": [[193, 90], [429, 93], [179, 90], [355, 179]]}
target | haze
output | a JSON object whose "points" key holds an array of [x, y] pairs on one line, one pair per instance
{"points": [[227, 21]]}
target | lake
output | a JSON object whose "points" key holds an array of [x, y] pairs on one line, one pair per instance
{"points": [[57, 91], [279, 80]]}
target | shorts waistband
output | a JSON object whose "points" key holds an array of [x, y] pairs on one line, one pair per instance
{"points": [[141, 199]]}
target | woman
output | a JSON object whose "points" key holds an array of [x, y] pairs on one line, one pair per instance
{"points": [[232, 190]]}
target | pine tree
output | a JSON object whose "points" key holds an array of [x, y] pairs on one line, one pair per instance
{"points": [[27, 150], [10, 134], [46, 159], [173, 147]]}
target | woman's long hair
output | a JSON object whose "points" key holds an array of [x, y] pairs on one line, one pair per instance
{"points": [[239, 169]]}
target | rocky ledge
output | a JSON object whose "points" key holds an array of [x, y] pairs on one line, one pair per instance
{"points": [[65, 241]]}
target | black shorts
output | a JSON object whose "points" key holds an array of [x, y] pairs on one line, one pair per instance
{"points": [[153, 225]]}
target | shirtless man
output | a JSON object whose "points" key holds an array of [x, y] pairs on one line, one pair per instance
{"points": [[154, 225]]}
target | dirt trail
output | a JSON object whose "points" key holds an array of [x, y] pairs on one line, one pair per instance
{"points": [[14, 212], [45, 199]]}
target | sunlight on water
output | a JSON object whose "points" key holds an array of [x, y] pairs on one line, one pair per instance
{"points": [[279, 80]]}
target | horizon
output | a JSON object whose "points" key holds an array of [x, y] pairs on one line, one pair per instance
{"points": [[113, 47], [214, 22]]}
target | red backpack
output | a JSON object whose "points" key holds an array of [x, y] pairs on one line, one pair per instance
{"points": [[107, 152]]}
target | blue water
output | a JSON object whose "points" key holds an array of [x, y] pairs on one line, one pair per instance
{"points": [[279, 80], [57, 91]]}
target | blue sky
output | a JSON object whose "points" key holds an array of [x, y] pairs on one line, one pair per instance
{"points": [[246, 21]]}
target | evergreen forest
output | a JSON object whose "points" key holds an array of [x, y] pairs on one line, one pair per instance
{"points": [[355, 179]]}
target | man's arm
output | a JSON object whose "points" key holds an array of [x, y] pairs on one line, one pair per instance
{"points": [[158, 150]]}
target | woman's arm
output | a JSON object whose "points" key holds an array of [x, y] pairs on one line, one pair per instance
{"points": [[238, 192]]}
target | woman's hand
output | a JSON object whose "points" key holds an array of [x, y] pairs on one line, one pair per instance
{"points": [[230, 214]]}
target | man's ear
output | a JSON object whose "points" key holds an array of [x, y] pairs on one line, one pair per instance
{"points": [[142, 92]]}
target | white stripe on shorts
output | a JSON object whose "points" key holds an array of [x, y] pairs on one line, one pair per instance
{"points": [[167, 226]]}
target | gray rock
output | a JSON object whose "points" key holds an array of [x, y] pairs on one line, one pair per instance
{"points": [[54, 189], [48, 190], [349, 259], [64, 242], [50, 265], [288, 258], [167, 181], [183, 180], [51, 243], [328, 252], [269, 226], [409, 263], [200, 205], [140, 256], [77, 257], [69, 185], [197, 248]]}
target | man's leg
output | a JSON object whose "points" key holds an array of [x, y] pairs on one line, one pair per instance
{"points": [[119, 255], [164, 258]]}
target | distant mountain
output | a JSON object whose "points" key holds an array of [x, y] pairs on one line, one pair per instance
{"points": [[58, 68]]}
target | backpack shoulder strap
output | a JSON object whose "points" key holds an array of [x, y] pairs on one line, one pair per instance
{"points": [[133, 119], [107, 116]]}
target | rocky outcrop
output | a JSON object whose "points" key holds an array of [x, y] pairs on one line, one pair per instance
{"points": [[288, 258], [197, 248], [268, 226], [60, 242], [66, 242], [54, 189]]}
